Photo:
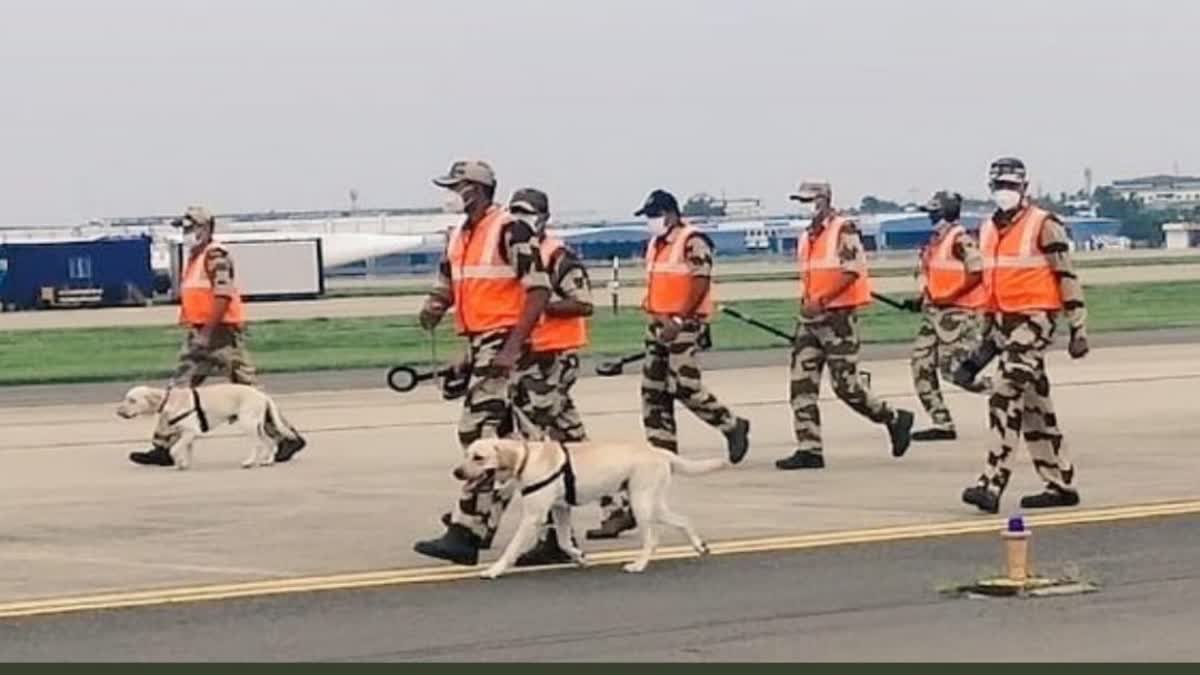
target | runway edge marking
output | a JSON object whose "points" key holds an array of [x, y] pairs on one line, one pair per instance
{"points": [[427, 575]]}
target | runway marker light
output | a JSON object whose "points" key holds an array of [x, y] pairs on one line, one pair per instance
{"points": [[1016, 545]]}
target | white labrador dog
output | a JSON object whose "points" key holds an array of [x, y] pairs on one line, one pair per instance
{"points": [[553, 479], [194, 411]]}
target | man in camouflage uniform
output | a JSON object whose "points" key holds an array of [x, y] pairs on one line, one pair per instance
{"points": [[826, 335], [1029, 280], [677, 329], [215, 346], [492, 354], [546, 374], [949, 330]]}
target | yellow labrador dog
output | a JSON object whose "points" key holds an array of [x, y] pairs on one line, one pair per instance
{"points": [[192, 412], [552, 479]]}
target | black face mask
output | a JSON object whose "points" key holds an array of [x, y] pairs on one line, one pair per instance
{"points": [[935, 217]]}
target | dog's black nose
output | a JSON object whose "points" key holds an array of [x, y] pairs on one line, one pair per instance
{"points": [[459, 474]]}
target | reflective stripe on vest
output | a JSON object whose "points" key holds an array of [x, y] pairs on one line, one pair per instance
{"points": [[197, 301], [1016, 274], [487, 294], [945, 274], [821, 269], [669, 279], [553, 333]]}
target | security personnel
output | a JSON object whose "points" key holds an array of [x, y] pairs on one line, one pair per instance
{"points": [[678, 305], [835, 286], [547, 373], [952, 298], [1028, 281], [211, 309], [492, 275]]}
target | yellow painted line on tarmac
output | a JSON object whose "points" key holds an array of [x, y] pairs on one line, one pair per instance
{"points": [[427, 575]]}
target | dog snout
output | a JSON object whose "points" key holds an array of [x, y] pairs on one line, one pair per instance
{"points": [[459, 473]]}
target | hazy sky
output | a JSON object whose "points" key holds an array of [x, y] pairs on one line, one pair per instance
{"points": [[122, 107]]}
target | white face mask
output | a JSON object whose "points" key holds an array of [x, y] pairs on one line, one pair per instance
{"points": [[657, 226], [1006, 200], [807, 209], [190, 240], [453, 202]]}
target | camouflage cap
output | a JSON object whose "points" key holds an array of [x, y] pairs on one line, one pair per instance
{"points": [[943, 202], [529, 200], [1008, 170], [467, 171], [809, 190], [195, 215]]}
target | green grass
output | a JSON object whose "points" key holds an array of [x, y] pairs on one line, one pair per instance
{"points": [[148, 353]]}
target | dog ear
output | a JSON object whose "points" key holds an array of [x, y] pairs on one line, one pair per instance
{"points": [[505, 456], [155, 397]]}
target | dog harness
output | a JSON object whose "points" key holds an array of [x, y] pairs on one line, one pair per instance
{"points": [[196, 410], [566, 472]]}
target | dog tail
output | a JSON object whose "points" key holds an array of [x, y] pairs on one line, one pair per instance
{"points": [[277, 419], [694, 467]]}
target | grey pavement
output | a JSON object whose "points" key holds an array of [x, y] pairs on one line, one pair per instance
{"points": [[874, 602], [79, 518]]}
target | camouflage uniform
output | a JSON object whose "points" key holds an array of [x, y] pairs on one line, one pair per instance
{"points": [[831, 338], [1020, 404], [543, 381], [486, 409], [946, 337], [672, 372]]}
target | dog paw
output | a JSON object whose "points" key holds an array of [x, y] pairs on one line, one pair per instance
{"points": [[703, 549], [267, 462], [581, 561], [250, 464], [491, 574], [634, 568]]}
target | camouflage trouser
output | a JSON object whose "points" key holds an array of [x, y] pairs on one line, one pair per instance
{"points": [[225, 354], [486, 413], [831, 339], [672, 373], [944, 341], [1020, 404], [541, 397]]}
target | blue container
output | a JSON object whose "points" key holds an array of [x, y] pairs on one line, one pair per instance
{"points": [[114, 265]]}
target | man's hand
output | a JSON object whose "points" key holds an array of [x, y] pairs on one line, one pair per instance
{"points": [[202, 339], [1078, 348], [812, 308], [668, 329], [432, 313], [505, 360]]}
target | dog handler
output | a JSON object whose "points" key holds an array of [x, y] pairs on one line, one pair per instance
{"points": [[492, 275], [211, 309]]}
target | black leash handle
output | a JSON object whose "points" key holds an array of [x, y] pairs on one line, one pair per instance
{"points": [[403, 379], [897, 304], [617, 367]]}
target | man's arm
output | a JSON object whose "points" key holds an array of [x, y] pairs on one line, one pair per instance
{"points": [[520, 249], [574, 288], [440, 299], [1055, 245], [220, 272]]}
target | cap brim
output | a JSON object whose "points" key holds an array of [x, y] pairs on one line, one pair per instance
{"points": [[448, 181]]}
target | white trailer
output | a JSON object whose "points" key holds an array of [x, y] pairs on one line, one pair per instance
{"points": [[269, 269]]}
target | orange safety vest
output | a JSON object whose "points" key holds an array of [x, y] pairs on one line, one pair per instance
{"points": [[555, 333], [668, 278], [487, 293], [821, 269], [196, 297], [1016, 274], [945, 274]]}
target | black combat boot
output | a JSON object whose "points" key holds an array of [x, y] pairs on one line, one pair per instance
{"points": [[547, 552], [288, 447], [982, 498], [739, 441], [802, 460], [156, 456], [901, 432], [1053, 498], [614, 525], [458, 545], [935, 434], [484, 545]]}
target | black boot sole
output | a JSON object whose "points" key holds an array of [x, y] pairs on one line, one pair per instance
{"points": [[289, 448]]}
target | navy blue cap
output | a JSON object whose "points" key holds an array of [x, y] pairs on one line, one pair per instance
{"points": [[658, 203]]}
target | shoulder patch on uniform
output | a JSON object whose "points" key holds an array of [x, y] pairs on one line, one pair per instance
{"points": [[703, 237], [214, 252]]}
